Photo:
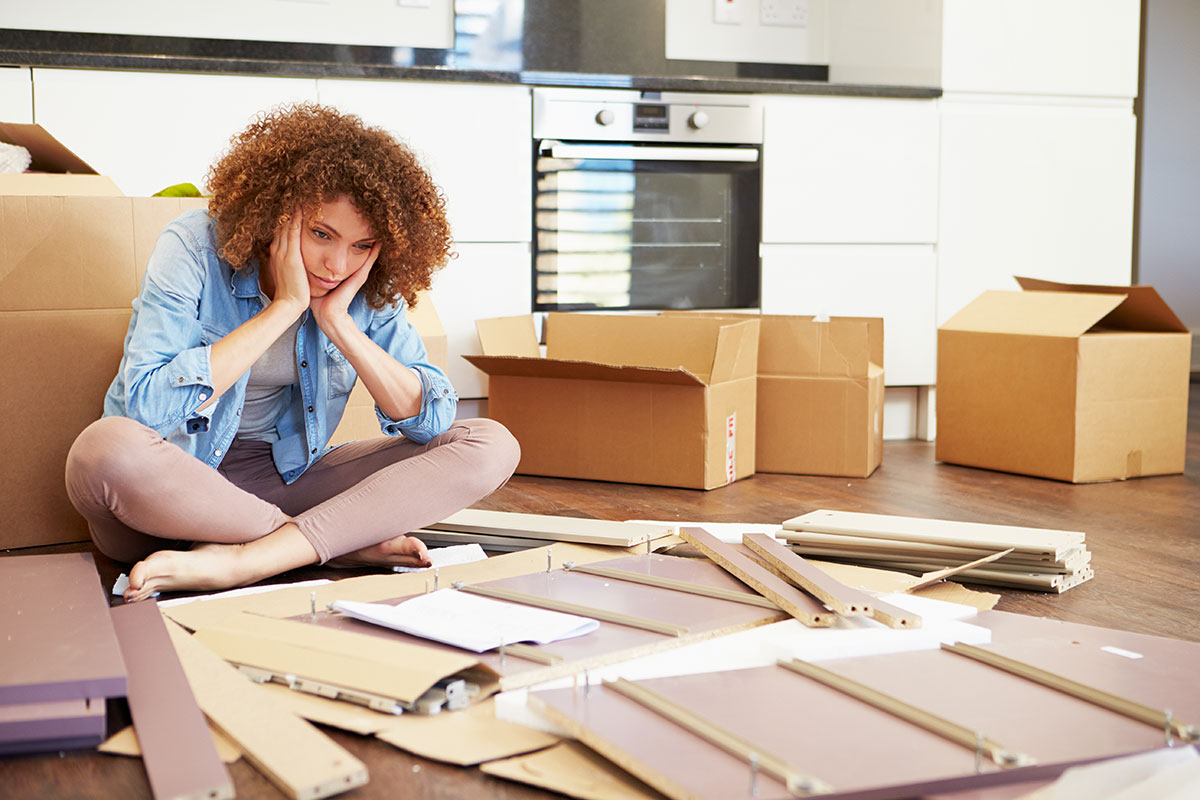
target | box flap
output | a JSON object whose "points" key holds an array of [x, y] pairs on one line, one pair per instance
{"points": [[1066, 314], [48, 153], [508, 336], [522, 367], [801, 346], [656, 341], [1142, 310], [736, 355]]}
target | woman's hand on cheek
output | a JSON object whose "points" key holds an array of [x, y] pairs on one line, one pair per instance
{"points": [[287, 265], [334, 306]]}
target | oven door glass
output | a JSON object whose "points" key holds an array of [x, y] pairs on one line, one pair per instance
{"points": [[626, 226]]}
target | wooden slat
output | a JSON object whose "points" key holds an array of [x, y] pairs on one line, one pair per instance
{"points": [[952, 731], [795, 602], [1120, 705], [177, 749], [797, 782], [300, 760], [843, 599]]}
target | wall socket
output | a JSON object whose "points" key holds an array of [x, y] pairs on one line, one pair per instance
{"points": [[783, 13], [728, 12]]}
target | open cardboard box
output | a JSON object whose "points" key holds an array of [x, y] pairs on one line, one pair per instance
{"points": [[69, 270], [55, 170], [656, 399], [1068, 381]]}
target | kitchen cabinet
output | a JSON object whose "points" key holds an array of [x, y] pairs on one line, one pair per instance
{"points": [[1033, 188], [896, 282], [149, 130], [476, 141], [487, 279], [16, 95], [850, 170], [1083, 48], [850, 219]]}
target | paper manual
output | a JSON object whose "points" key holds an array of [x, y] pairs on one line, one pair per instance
{"points": [[469, 621]]}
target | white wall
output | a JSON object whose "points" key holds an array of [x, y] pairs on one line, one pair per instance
{"points": [[764, 31], [1168, 246]]}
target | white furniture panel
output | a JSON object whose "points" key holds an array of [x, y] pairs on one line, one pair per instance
{"points": [[1040, 190], [895, 282], [1055, 47], [486, 280], [387, 23], [16, 95], [476, 141], [846, 169], [148, 130]]}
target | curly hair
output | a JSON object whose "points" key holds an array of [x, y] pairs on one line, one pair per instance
{"points": [[303, 155]]}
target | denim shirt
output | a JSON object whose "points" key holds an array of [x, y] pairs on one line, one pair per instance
{"points": [[190, 298]]}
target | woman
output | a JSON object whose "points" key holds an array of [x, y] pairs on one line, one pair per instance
{"points": [[211, 467]]}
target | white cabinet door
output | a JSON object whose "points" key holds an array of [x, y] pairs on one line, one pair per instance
{"points": [[895, 282], [1038, 190], [16, 95], [1056, 47], [486, 280], [148, 130], [476, 141], [847, 169]]}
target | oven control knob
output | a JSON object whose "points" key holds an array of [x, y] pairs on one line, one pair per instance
{"points": [[698, 119], [606, 116]]}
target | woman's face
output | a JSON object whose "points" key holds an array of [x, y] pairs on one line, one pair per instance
{"points": [[334, 244]]}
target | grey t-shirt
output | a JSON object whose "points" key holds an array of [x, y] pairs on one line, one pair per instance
{"points": [[267, 389]]}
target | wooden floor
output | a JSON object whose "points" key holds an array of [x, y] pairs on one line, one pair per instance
{"points": [[1144, 535]]}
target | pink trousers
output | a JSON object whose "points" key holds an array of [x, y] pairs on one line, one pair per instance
{"points": [[141, 494]]}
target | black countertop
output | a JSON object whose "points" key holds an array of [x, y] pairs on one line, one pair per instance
{"points": [[544, 50]]}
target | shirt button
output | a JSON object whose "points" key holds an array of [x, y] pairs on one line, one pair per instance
{"points": [[217, 452], [179, 379], [304, 363], [310, 409], [314, 450], [203, 396]]}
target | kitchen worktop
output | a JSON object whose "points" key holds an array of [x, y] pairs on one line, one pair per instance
{"points": [[536, 57]]}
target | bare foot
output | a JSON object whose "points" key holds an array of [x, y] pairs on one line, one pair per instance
{"points": [[206, 566], [400, 551]]}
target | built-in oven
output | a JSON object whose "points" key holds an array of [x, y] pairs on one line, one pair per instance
{"points": [[645, 200]]}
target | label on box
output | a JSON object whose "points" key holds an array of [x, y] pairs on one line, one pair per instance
{"points": [[731, 448]]}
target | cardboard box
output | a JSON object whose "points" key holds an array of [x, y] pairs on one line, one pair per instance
{"points": [[69, 269], [657, 399], [820, 396], [55, 170], [1074, 382]]}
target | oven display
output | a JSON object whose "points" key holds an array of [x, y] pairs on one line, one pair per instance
{"points": [[651, 117]]}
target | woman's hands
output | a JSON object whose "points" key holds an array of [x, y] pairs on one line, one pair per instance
{"points": [[332, 308], [289, 278]]}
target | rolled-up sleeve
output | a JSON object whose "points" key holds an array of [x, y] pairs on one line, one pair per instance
{"points": [[167, 371], [392, 331]]}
